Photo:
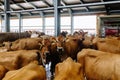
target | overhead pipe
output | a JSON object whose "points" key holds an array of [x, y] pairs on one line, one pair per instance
{"points": [[90, 4], [31, 10], [112, 11], [66, 13]]}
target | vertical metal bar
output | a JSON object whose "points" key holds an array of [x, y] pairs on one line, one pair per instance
{"points": [[20, 23], [7, 15], [57, 17], [72, 20], [43, 21]]}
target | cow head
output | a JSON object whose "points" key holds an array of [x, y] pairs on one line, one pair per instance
{"points": [[7, 45], [68, 70], [45, 53]]}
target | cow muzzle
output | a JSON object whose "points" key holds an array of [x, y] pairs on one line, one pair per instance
{"points": [[60, 49]]}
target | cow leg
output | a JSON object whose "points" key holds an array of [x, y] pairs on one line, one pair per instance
{"points": [[52, 68], [56, 59], [39, 59]]}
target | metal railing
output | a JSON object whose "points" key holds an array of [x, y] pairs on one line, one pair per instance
{"points": [[49, 30]]}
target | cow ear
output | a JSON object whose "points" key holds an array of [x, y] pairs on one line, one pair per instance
{"points": [[40, 46]]}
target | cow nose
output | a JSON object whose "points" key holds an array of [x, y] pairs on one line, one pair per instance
{"points": [[3, 44], [60, 49], [47, 53]]}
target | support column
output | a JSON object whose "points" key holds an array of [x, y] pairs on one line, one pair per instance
{"points": [[20, 22], [57, 17], [72, 20], [7, 15], [43, 21]]}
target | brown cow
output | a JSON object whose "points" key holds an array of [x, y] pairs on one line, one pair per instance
{"points": [[31, 71], [107, 44], [71, 47], [3, 71], [98, 65], [11, 36], [68, 70], [50, 54], [24, 44], [17, 59]]}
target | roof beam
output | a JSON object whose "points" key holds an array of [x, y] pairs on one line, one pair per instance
{"points": [[30, 10], [2, 4], [46, 3], [82, 2], [21, 7], [1, 8], [67, 6], [49, 14], [90, 4], [63, 3], [107, 8], [18, 5], [31, 4]]}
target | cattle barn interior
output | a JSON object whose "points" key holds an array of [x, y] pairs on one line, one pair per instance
{"points": [[59, 39]]}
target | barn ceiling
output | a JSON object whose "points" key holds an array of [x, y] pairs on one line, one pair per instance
{"points": [[35, 7]]}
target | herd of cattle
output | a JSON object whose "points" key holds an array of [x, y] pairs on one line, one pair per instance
{"points": [[72, 57]]}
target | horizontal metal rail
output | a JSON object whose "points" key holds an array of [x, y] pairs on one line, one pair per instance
{"points": [[30, 10], [90, 4]]}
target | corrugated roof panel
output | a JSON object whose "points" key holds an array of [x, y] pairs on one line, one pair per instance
{"points": [[87, 1], [14, 6], [50, 2], [19, 1], [39, 4], [72, 1], [80, 8], [2, 7], [26, 5], [96, 7]]}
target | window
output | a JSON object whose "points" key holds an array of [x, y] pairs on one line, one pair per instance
{"points": [[87, 23]]}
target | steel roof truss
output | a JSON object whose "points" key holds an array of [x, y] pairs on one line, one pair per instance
{"points": [[46, 3], [82, 2], [31, 4]]}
